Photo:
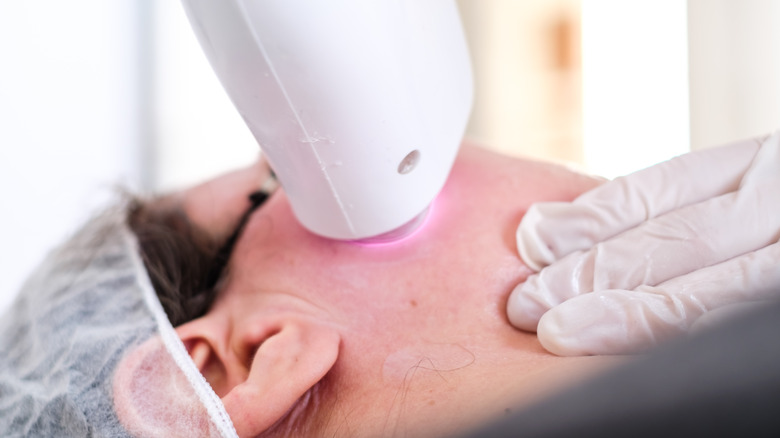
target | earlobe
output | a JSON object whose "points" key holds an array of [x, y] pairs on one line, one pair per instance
{"points": [[287, 364]]}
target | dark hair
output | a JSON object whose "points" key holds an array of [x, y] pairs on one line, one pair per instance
{"points": [[184, 263]]}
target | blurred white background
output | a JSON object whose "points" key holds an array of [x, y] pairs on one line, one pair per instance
{"points": [[98, 94]]}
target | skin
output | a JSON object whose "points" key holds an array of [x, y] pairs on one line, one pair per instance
{"points": [[313, 337]]}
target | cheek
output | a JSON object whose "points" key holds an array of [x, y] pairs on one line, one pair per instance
{"points": [[275, 244], [276, 252]]}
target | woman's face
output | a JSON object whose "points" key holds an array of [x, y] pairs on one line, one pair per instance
{"points": [[404, 338]]}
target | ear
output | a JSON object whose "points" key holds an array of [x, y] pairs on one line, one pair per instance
{"points": [[261, 377]]}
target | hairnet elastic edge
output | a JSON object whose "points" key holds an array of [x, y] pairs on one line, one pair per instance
{"points": [[175, 347]]}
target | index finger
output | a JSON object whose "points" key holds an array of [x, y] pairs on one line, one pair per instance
{"points": [[550, 231]]}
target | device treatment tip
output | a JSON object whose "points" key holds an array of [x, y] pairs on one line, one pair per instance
{"points": [[399, 233]]}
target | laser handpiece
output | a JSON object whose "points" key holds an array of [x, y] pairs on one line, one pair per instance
{"points": [[359, 106]]}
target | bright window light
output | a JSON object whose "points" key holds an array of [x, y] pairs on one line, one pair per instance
{"points": [[635, 83]]}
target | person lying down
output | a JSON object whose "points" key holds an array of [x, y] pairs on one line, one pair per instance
{"points": [[199, 314]]}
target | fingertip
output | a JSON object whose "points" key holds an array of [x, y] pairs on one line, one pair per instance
{"points": [[611, 322], [533, 250], [557, 338], [523, 310], [592, 324]]}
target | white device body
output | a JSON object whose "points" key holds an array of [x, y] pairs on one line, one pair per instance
{"points": [[340, 94]]}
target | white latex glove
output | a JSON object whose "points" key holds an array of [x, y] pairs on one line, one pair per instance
{"points": [[641, 258]]}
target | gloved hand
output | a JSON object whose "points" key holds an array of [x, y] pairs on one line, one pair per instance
{"points": [[641, 258]]}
